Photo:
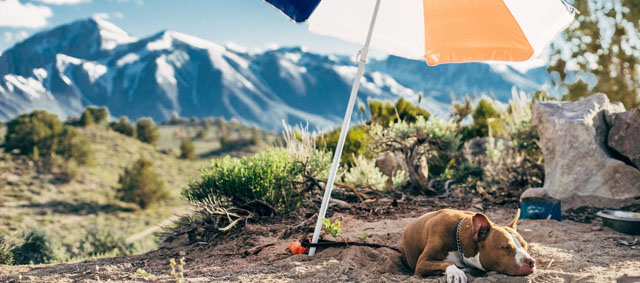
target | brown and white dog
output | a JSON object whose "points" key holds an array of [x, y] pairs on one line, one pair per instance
{"points": [[430, 245]]}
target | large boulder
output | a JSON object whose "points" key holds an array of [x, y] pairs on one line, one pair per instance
{"points": [[579, 169], [624, 136]]}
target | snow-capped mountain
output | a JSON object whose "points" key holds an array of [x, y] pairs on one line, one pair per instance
{"points": [[94, 62]]}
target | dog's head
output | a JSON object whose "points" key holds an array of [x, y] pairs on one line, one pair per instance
{"points": [[501, 248]]}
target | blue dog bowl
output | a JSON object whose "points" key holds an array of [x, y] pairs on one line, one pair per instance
{"points": [[540, 208]]}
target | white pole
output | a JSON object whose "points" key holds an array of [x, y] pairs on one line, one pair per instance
{"points": [[362, 60]]}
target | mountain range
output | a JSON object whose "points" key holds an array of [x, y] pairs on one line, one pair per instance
{"points": [[94, 62]]}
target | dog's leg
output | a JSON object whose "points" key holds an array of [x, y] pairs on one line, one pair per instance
{"points": [[427, 267]]}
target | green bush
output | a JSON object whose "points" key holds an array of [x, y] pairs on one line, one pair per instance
{"points": [[384, 113], [86, 119], [93, 115], [141, 185], [356, 144], [40, 134], [365, 174], [147, 131], [187, 150], [268, 177], [100, 242], [123, 126], [6, 256], [482, 115], [36, 248]]}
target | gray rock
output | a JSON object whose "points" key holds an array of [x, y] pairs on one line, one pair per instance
{"points": [[624, 136], [578, 168]]}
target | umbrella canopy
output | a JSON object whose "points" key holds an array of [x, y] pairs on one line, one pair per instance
{"points": [[438, 31]]}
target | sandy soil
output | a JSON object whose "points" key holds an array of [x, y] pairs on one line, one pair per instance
{"points": [[565, 251]]}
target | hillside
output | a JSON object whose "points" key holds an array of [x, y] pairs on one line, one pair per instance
{"points": [[94, 62], [35, 198]]}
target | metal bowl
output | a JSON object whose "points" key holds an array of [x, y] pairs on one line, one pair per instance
{"points": [[622, 221]]}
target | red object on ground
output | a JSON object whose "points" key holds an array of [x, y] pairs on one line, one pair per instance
{"points": [[296, 248]]}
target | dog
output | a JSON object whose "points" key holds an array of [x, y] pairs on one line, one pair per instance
{"points": [[433, 243]]}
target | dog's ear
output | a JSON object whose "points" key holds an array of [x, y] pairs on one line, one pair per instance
{"points": [[481, 227], [514, 223]]}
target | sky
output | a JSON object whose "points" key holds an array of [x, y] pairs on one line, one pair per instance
{"points": [[247, 23]]}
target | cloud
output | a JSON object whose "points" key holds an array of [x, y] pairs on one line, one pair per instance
{"points": [[8, 37], [64, 2], [104, 16], [117, 15], [18, 36], [15, 14]]}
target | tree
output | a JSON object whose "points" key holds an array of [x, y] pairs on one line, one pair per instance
{"points": [[123, 126], [603, 43], [93, 115], [141, 185], [86, 119], [40, 134], [187, 150], [147, 131], [384, 112]]}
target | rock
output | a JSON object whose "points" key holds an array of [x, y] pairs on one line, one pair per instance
{"points": [[624, 136], [390, 162], [578, 169]]}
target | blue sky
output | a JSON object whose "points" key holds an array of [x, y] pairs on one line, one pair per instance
{"points": [[249, 23]]}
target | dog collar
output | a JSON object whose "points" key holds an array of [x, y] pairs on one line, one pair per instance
{"points": [[458, 245]]}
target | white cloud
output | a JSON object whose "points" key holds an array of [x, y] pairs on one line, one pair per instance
{"points": [[117, 15], [103, 16], [64, 2], [15, 14]]}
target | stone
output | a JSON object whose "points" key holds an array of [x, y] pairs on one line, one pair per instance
{"points": [[624, 135], [390, 162], [579, 170]]}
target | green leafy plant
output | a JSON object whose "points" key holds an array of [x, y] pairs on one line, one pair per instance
{"points": [[364, 236], [146, 276], [140, 184], [365, 174], [268, 176], [331, 228], [356, 144], [177, 270], [384, 113]]}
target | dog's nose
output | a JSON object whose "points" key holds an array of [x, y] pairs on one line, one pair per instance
{"points": [[529, 261]]}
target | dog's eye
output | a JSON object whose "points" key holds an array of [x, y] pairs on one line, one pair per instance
{"points": [[506, 247]]}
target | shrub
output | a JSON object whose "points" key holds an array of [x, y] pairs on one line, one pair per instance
{"points": [[36, 248], [268, 177], [402, 110], [38, 129], [356, 144], [365, 174], [482, 115], [93, 115], [6, 256], [187, 150], [86, 119], [73, 146], [39, 134], [66, 170], [123, 126], [147, 131], [141, 185], [100, 242]]}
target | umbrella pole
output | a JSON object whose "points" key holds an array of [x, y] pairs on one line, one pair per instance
{"points": [[362, 60]]}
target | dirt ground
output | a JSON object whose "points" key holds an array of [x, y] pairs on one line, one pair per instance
{"points": [[565, 251]]}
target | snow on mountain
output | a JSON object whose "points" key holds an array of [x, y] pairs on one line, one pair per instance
{"points": [[94, 62]]}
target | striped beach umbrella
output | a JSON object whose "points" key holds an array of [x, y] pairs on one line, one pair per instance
{"points": [[437, 31]]}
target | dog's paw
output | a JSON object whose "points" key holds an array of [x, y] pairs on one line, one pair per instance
{"points": [[455, 275]]}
